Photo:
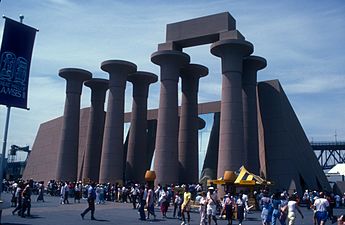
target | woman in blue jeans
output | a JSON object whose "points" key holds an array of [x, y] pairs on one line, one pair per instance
{"points": [[266, 213], [276, 202]]}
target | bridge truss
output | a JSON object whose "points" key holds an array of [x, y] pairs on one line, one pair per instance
{"points": [[329, 153]]}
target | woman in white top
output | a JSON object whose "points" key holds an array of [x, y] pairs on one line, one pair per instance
{"points": [[240, 209], [202, 208], [292, 208]]}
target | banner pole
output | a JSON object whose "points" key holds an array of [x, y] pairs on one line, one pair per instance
{"points": [[2, 161]]}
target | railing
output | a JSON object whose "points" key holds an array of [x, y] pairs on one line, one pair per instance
{"points": [[318, 143]]}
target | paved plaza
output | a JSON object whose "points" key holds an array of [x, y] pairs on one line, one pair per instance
{"points": [[51, 212]]}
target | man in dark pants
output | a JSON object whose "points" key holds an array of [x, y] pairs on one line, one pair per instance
{"points": [[134, 195], [142, 201], [26, 195], [91, 196]]}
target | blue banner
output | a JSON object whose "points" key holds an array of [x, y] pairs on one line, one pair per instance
{"points": [[15, 58]]}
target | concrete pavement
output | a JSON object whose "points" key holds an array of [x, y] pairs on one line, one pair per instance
{"points": [[51, 212]]}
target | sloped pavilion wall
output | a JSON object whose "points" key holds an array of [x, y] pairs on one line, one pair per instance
{"points": [[290, 160]]}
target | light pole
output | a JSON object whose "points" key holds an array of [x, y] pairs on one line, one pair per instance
{"points": [[2, 160]]}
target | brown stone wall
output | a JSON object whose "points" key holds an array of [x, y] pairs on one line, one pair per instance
{"points": [[283, 145], [42, 161], [290, 160]]}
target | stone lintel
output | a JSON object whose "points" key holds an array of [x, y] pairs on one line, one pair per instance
{"points": [[198, 31], [169, 46], [233, 34]]}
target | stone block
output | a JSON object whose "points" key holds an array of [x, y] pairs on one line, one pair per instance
{"points": [[198, 31]]}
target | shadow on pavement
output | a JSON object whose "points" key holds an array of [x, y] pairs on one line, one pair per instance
{"points": [[252, 219], [14, 224], [155, 220], [34, 217], [100, 220]]}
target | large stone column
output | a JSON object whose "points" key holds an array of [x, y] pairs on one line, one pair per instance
{"points": [[67, 164], [251, 65], [137, 143], [231, 149], [188, 130], [92, 158], [112, 149], [166, 154]]}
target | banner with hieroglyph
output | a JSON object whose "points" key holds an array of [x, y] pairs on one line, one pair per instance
{"points": [[15, 58]]}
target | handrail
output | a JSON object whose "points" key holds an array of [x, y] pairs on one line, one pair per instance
{"points": [[318, 143]]}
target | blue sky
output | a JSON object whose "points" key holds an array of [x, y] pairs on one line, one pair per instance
{"points": [[303, 42]]}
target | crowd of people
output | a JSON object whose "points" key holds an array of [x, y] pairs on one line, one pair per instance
{"points": [[283, 207], [21, 196], [279, 206]]}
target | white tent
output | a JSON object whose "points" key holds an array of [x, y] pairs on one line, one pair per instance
{"points": [[338, 169]]}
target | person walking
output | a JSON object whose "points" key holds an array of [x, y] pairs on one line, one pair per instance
{"points": [[19, 197], [283, 209], [142, 202], [240, 204], [212, 201], [77, 192], [186, 205], [246, 207], [40, 196], [321, 204], [98, 192], [202, 208], [134, 195], [14, 197], [276, 203], [91, 197], [292, 208], [64, 193], [163, 201], [266, 213], [26, 195], [150, 201], [177, 205], [229, 208]]}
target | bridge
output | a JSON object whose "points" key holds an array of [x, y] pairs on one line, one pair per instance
{"points": [[329, 153]]}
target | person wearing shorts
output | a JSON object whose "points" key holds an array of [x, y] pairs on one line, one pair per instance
{"points": [[186, 205], [321, 204]]}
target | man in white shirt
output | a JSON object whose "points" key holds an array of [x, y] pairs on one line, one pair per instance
{"points": [[321, 204], [212, 201], [245, 200]]}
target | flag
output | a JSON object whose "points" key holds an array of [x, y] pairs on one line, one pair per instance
{"points": [[15, 59]]}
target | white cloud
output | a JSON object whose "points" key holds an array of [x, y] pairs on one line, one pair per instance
{"points": [[316, 84], [59, 2], [209, 91]]}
